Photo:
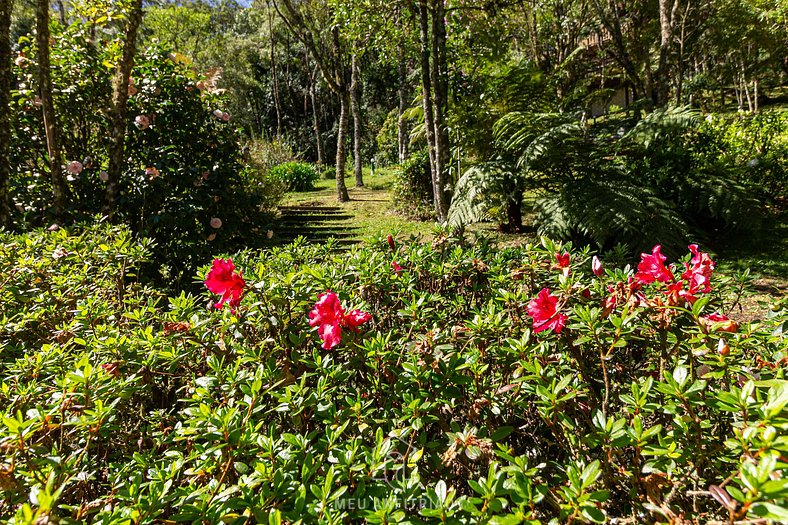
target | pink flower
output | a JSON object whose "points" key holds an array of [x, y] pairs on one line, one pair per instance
{"points": [[390, 240], [74, 167], [269, 234], [211, 237], [652, 268], [396, 267], [104, 176], [596, 266], [218, 113], [216, 223], [329, 316], [205, 175], [223, 279], [152, 172], [543, 309], [21, 61], [718, 322], [698, 271], [225, 116], [142, 121]]}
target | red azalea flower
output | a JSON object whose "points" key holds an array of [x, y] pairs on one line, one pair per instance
{"points": [[678, 295], [329, 316], [698, 271], [543, 309], [562, 263], [390, 240], [652, 268], [396, 267], [719, 322], [223, 279]]}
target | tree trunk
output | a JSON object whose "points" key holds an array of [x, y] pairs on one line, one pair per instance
{"points": [[514, 213], [666, 17], [120, 100], [440, 86], [426, 92], [402, 123], [315, 117], [274, 76], [59, 185], [344, 102], [6, 7], [356, 109]]}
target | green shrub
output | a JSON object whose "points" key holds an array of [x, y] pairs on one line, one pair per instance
{"points": [[329, 173], [298, 176], [446, 406], [755, 147], [412, 188]]}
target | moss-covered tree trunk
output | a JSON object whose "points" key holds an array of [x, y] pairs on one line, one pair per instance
{"points": [[120, 102], [440, 86], [426, 88], [59, 185], [6, 6]]}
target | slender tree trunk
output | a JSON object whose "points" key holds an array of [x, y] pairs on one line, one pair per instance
{"points": [[755, 94], [440, 86], [120, 102], [426, 93], [344, 103], [6, 7], [402, 123], [356, 109], [315, 117], [274, 76], [661, 82], [59, 185]]}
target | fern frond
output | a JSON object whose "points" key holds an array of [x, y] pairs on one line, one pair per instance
{"points": [[660, 123]]}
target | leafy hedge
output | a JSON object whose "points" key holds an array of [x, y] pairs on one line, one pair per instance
{"points": [[297, 176], [120, 405]]}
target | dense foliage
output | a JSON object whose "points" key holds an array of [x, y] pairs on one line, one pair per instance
{"points": [[663, 176], [185, 183], [296, 176], [412, 189], [488, 386]]}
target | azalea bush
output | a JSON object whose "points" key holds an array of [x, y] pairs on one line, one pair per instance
{"points": [[397, 383]]}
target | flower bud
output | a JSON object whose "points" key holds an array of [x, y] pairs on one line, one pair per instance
{"points": [[596, 267], [723, 349]]}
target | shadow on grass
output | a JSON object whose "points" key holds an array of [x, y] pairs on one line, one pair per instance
{"points": [[764, 252]]}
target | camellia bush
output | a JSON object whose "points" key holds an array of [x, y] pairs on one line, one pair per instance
{"points": [[397, 383], [185, 184]]}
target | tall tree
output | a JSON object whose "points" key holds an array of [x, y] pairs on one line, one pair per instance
{"points": [[434, 94], [6, 7], [59, 185], [120, 99], [355, 105], [311, 22]]}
